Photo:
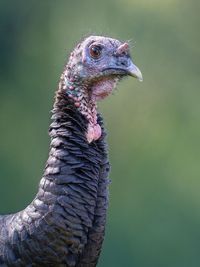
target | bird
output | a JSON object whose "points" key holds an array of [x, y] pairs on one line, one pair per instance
{"points": [[64, 225]]}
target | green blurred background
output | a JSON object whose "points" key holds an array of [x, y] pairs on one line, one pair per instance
{"points": [[154, 129]]}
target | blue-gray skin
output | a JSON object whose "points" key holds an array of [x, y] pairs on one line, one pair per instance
{"points": [[64, 225]]}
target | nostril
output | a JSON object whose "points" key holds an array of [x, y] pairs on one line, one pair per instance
{"points": [[123, 62]]}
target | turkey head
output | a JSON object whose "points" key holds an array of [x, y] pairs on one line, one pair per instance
{"points": [[94, 68]]}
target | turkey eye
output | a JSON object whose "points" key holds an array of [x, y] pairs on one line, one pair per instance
{"points": [[95, 51]]}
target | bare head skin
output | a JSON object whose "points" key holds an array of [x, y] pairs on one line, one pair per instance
{"points": [[93, 70]]}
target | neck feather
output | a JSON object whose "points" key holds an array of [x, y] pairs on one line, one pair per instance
{"points": [[64, 208]]}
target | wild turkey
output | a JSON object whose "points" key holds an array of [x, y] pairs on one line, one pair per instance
{"points": [[64, 225]]}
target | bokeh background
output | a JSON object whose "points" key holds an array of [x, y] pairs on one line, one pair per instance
{"points": [[154, 126]]}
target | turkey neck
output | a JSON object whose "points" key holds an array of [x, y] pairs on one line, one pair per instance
{"points": [[63, 210]]}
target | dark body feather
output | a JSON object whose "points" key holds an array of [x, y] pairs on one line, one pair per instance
{"points": [[65, 223]]}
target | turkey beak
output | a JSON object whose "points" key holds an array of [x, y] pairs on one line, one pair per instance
{"points": [[131, 69], [134, 71]]}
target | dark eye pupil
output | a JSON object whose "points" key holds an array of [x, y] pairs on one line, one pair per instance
{"points": [[95, 51]]}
